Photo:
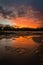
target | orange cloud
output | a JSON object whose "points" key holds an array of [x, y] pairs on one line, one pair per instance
{"points": [[24, 17], [26, 22]]}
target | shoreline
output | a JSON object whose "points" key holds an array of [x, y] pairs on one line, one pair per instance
{"points": [[21, 32]]}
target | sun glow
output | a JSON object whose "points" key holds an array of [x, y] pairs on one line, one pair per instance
{"points": [[23, 17], [25, 22]]}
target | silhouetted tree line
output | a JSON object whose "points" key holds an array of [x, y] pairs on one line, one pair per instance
{"points": [[9, 28]]}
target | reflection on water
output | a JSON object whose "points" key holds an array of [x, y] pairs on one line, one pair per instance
{"points": [[21, 49]]}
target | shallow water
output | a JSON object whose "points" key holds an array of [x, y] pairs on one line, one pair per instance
{"points": [[21, 50]]}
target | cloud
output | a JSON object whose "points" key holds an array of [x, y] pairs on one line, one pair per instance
{"points": [[31, 9], [4, 12], [38, 4], [21, 11]]}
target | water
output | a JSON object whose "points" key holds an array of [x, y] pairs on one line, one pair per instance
{"points": [[21, 49]]}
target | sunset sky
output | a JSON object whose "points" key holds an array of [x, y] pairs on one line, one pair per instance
{"points": [[22, 13]]}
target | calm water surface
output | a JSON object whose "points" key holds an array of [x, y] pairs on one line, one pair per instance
{"points": [[21, 50]]}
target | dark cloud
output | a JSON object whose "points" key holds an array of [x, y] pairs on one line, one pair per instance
{"points": [[22, 11], [1, 9], [4, 12], [38, 4], [7, 13]]}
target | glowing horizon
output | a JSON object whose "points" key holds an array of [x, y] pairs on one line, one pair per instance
{"points": [[23, 18]]}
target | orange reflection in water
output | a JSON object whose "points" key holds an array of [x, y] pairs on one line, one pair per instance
{"points": [[18, 45], [24, 42]]}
